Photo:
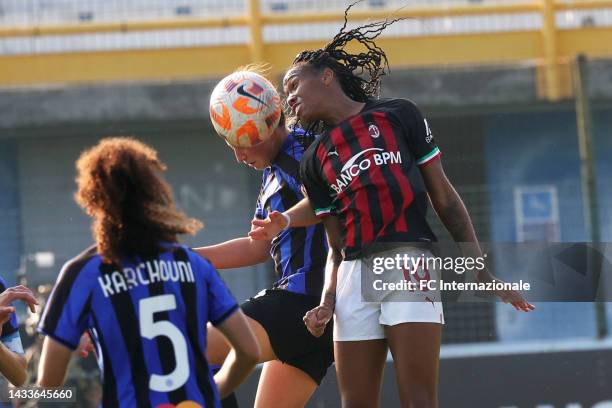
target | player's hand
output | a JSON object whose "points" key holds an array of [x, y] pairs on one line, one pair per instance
{"points": [[19, 293], [515, 299], [268, 229], [509, 296], [317, 318], [5, 315], [85, 346]]}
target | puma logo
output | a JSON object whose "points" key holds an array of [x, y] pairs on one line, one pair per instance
{"points": [[332, 153]]}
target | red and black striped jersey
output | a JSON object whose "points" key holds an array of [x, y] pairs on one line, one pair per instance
{"points": [[366, 172]]}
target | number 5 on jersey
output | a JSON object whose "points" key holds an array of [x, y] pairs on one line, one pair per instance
{"points": [[150, 329]]}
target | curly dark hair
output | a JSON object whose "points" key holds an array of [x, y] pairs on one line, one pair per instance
{"points": [[359, 74], [120, 186]]}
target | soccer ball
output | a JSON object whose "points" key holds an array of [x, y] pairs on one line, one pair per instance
{"points": [[245, 108]]}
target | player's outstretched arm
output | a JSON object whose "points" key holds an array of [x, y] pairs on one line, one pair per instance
{"points": [[12, 365], [53, 363], [316, 319], [236, 253], [300, 215], [452, 212], [242, 357]]}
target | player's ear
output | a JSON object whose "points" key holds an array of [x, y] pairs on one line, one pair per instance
{"points": [[328, 76]]}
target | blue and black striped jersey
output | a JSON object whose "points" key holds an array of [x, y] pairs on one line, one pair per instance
{"points": [[147, 318], [299, 253]]}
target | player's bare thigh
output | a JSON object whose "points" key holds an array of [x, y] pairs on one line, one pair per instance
{"points": [[297, 385], [359, 366], [218, 347], [415, 348]]}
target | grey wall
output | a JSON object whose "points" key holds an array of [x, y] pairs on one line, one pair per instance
{"points": [[10, 216], [207, 183]]}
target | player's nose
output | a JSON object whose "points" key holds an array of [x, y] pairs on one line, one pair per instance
{"points": [[240, 154], [291, 101]]}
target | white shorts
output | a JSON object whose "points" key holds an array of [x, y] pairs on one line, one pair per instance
{"points": [[356, 319]]}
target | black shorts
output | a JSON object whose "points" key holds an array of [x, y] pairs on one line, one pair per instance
{"points": [[280, 312]]}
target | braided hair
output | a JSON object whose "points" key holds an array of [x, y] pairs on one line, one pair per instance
{"points": [[359, 74]]}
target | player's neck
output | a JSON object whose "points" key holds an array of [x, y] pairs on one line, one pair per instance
{"points": [[343, 108], [281, 134]]}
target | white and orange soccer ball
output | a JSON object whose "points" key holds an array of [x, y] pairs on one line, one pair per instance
{"points": [[245, 108]]}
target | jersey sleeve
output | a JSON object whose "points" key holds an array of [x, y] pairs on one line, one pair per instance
{"points": [[221, 303], [419, 136], [67, 312], [312, 180]]}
